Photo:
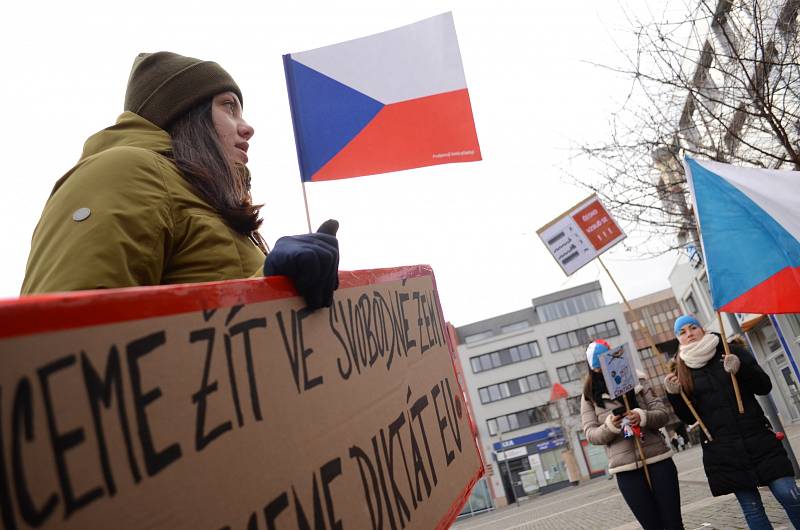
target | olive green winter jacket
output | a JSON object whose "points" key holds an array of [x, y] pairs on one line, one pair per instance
{"points": [[145, 225]]}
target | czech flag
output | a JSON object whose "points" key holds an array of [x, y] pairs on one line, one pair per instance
{"points": [[750, 230], [391, 101]]}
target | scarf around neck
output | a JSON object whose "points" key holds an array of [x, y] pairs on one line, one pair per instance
{"points": [[697, 354]]}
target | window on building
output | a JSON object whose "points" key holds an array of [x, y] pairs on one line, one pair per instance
{"points": [[704, 282], [492, 425], [478, 336], [794, 323], [522, 419], [496, 359], [475, 362], [690, 303], [502, 424], [514, 387], [571, 372], [486, 362], [574, 405], [771, 339], [516, 326], [652, 366], [582, 336]]}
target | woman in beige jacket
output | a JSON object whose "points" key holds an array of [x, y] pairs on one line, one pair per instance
{"points": [[604, 423]]}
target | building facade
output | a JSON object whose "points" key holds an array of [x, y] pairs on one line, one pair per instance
{"points": [[524, 373], [655, 313]]}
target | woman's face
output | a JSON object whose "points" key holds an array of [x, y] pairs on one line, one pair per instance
{"points": [[690, 333], [232, 130]]}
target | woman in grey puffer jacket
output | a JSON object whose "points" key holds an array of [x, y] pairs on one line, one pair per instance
{"points": [[656, 508]]}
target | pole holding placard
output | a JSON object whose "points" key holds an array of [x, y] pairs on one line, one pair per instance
{"points": [[657, 354], [638, 445]]}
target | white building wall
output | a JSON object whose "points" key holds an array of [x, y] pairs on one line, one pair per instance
{"points": [[548, 362]]}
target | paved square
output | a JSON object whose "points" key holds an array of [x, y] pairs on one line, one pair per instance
{"points": [[598, 505]]}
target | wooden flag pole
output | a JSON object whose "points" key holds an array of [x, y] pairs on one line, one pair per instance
{"points": [[733, 376], [657, 354], [638, 445], [305, 201]]}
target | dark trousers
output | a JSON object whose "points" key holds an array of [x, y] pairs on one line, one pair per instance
{"points": [[659, 508]]}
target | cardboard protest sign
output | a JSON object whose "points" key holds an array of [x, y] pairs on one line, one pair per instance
{"points": [[619, 371], [581, 234], [229, 406]]}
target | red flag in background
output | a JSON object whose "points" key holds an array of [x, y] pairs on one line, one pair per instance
{"points": [[558, 392]]}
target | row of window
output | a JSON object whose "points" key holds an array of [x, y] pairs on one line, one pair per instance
{"points": [[496, 359], [582, 336], [522, 419], [515, 387], [570, 306], [572, 372], [656, 322], [509, 328]]}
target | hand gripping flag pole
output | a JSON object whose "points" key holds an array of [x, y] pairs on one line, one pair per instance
{"points": [[734, 381], [657, 354]]}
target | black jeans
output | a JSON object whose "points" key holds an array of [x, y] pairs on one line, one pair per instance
{"points": [[659, 508]]}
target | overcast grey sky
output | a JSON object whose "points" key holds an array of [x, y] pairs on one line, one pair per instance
{"points": [[66, 64]]}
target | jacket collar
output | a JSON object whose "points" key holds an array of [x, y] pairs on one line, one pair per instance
{"points": [[130, 130]]}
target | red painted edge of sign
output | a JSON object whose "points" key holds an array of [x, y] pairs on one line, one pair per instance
{"points": [[59, 311], [455, 508], [446, 521]]}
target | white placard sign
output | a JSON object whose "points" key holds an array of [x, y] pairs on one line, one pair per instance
{"points": [[618, 371], [581, 234]]}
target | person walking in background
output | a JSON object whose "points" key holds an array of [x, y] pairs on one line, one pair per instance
{"points": [[681, 443], [163, 196], [674, 442], [744, 453], [656, 508]]}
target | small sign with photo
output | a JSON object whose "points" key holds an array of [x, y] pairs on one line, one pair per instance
{"points": [[619, 371]]}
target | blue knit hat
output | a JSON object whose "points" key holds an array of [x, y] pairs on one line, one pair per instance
{"points": [[594, 351], [684, 320]]}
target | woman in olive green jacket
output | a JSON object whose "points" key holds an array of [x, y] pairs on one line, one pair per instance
{"points": [[163, 195]]}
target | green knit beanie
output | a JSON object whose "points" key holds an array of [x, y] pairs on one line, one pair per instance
{"points": [[164, 85]]}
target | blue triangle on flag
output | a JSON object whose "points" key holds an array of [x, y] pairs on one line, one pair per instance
{"points": [[326, 114], [744, 245]]}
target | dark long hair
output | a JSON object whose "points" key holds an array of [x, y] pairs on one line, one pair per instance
{"points": [[684, 375], [199, 156]]}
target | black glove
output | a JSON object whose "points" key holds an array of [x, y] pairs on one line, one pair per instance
{"points": [[311, 261]]}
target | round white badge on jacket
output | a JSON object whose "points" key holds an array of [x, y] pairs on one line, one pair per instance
{"points": [[81, 214]]}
